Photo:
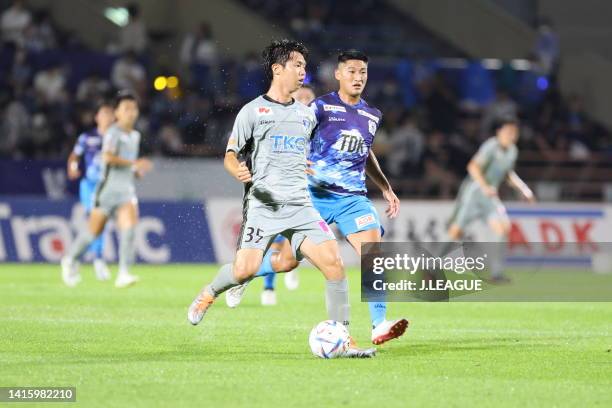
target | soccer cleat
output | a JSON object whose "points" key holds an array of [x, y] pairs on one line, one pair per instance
{"points": [[355, 352], [268, 297], [70, 272], [292, 280], [199, 306], [125, 279], [233, 296], [388, 330], [101, 270]]}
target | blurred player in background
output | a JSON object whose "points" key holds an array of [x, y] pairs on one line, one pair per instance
{"points": [[341, 156], [305, 94], [478, 195], [275, 130], [89, 148], [115, 193]]}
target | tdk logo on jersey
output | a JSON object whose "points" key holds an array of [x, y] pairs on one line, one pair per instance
{"points": [[288, 144], [350, 141]]}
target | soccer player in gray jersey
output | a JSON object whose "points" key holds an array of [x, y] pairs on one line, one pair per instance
{"points": [[478, 197], [115, 194], [275, 131]]}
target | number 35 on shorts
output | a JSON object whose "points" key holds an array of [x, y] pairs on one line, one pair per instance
{"points": [[252, 234]]}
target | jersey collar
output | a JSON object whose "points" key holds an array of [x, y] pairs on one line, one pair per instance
{"points": [[267, 98], [357, 105]]}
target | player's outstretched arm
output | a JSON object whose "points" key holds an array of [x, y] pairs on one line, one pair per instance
{"points": [[236, 168], [475, 171], [374, 172], [519, 185]]}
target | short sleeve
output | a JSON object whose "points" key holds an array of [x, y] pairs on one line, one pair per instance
{"points": [[485, 154], [79, 146], [315, 109], [111, 142], [242, 131]]}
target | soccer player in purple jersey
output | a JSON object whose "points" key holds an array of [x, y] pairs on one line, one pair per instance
{"points": [[89, 148], [341, 157]]}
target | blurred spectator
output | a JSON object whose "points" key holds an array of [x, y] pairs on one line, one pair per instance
{"points": [[407, 144], [252, 80], [50, 85], [441, 105], [92, 88], [199, 54], [40, 34], [14, 21], [199, 47], [21, 72], [14, 128], [547, 48], [439, 180], [133, 36], [501, 107], [169, 141], [128, 73]]}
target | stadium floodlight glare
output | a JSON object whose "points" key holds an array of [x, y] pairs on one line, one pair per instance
{"points": [[117, 15], [172, 81]]}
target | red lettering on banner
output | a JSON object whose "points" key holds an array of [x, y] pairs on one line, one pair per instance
{"points": [[547, 229], [582, 236], [516, 238]]}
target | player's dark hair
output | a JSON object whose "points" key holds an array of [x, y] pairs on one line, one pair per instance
{"points": [[124, 96], [352, 55], [279, 52]]}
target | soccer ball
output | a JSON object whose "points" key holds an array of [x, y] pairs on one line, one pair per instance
{"points": [[329, 339]]}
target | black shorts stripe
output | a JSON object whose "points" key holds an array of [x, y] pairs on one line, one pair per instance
{"points": [[100, 186]]}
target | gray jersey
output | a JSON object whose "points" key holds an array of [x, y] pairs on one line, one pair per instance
{"points": [[495, 161], [277, 138], [125, 145]]}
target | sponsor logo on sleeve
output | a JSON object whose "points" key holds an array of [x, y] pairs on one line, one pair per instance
{"points": [[372, 127], [368, 115]]}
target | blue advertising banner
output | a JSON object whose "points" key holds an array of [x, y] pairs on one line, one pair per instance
{"points": [[36, 178], [39, 230]]}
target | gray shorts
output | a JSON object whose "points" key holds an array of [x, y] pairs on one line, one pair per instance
{"points": [[472, 205], [261, 224], [109, 200]]}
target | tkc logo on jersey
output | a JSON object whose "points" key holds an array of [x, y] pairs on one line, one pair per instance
{"points": [[288, 144], [350, 141]]}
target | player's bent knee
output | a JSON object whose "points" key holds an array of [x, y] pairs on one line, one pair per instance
{"points": [[286, 264]]}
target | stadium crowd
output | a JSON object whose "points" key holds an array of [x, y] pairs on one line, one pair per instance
{"points": [[435, 115]]}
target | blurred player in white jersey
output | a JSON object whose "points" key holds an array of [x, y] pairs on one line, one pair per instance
{"points": [[478, 197], [115, 194]]}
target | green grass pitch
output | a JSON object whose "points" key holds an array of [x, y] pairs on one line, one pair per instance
{"points": [[134, 347]]}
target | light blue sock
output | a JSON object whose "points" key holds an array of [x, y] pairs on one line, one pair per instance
{"points": [[266, 264], [378, 312], [97, 246]]}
